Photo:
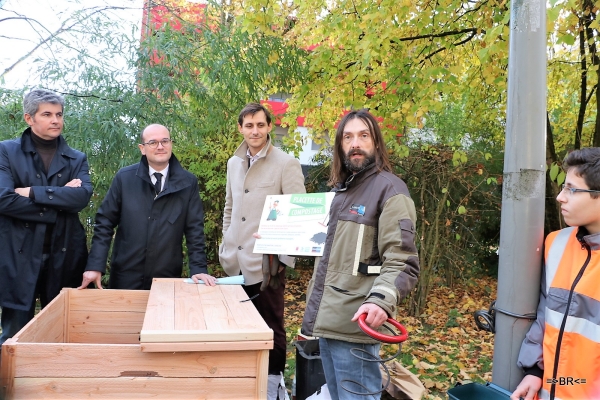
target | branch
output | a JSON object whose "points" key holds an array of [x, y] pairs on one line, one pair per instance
{"points": [[91, 96], [471, 36], [474, 31], [63, 28]]}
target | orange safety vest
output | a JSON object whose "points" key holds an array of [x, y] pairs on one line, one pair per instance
{"points": [[571, 346]]}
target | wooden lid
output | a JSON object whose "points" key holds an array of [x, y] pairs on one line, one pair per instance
{"points": [[189, 317]]}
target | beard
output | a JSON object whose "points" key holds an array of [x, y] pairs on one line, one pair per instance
{"points": [[358, 165]]}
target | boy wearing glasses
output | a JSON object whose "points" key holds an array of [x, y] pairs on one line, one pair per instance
{"points": [[153, 204], [560, 352]]}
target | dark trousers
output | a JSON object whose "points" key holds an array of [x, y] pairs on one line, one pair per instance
{"points": [[269, 304], [13, 320]]}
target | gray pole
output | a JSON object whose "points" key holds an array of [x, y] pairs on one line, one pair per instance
{"points": [[522, 221]]}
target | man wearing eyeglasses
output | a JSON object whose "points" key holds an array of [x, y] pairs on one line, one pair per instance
{"points": [[560, 353], [153, 204]]}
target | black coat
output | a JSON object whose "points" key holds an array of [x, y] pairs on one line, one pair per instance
{"points": [[23, 221], [150, 230]]}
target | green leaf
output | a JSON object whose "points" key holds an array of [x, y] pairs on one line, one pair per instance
{"points": [[462, 210], [554, 170], [560, 179], [444, 190], [567, 39]]}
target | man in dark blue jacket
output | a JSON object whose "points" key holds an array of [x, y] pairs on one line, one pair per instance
{"points": [[44, 183], [153, 204]]}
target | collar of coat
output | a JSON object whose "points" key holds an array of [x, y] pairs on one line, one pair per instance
{"points": [[243, 149], [358, 178], [62, 147], [592, 240], [177, 178]]}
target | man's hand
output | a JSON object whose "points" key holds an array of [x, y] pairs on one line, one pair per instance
{"points": [[206, 278], [376, 315], [74, 183], [528, 388], [23, 191], [89, 277]]}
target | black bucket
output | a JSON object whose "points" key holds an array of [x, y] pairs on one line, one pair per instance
{"points": [[309, 370], [476, 391]]}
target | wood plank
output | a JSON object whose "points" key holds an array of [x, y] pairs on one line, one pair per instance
{"points": [[160, 313], [106, 322], [105, 338], [48, 325], [217, 314], [166, 336], [7, 368], [207, 346], [262, 368], [108, 300], [244, 313], [188, 309], [135, 388], [66, 316], [115, 360]]}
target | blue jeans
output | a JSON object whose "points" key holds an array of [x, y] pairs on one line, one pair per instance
{"points": [[344, 371]]}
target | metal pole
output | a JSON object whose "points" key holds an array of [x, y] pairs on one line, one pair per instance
{"points": [[522, 220]]}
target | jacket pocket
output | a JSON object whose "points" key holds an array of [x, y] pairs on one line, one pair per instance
{"points": [[407, 235], [265, 184], [336, 310]]}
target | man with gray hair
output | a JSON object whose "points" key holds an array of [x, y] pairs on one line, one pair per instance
{"points": [[44, 184]]}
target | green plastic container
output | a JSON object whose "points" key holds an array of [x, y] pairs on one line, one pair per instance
{"points": [[476, 391]]}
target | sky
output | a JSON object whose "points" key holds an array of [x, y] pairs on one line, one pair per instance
{"points": [[19, 36]]}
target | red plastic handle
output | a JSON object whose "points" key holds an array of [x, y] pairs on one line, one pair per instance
{"points": [[380, 336]]}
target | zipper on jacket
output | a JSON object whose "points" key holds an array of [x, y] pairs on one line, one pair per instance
{"points": [[564, 321]]}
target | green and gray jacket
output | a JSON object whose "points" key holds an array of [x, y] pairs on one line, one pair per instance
{"points": [[370, 255]]}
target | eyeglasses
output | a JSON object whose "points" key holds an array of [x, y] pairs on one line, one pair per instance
{"points": [[573, 190], [153, 144]]}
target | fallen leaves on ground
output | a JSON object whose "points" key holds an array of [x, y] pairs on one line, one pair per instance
{"points": [[444, 345]]}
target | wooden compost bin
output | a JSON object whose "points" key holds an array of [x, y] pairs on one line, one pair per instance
{"points": [[197, 342]]}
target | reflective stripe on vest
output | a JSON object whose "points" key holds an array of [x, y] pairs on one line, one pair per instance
{"points": [[557, 248]]}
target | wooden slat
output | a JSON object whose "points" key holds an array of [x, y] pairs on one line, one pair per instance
{"points": [[262, 367], [105, 338], [244, 313], [216, 312], [188, 309], [66, 294], [7, 368], [135, 388], [207, 346], [108, 300], [106, 322], [114, 360], [160, 313], [48, 325], [165, 336]]}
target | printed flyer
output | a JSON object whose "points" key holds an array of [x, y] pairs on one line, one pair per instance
{"points": [[294, 224]]}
